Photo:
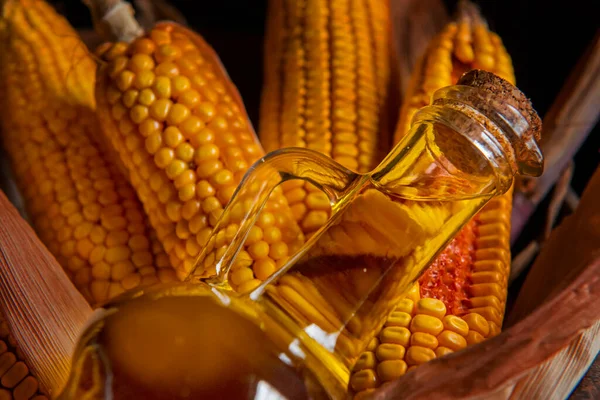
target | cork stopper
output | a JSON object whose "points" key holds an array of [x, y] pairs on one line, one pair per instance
{"points": [[507, 94], [502, 109]]}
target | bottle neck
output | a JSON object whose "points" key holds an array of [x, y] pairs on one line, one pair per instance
{"points": [[466, 137], [507, 125]]}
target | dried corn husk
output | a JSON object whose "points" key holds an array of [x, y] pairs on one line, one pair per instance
{"points": [[43, 309]]}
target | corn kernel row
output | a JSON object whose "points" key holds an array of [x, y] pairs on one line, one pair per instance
{"points": [[327, 71], [415, 333], [181, 131], [80, 204]]}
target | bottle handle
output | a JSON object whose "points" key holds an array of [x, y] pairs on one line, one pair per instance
{"points": [[253, 192]]}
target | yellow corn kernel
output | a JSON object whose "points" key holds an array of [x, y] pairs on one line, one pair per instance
{"points": [[474, 337], [413, 294], [264, 268], [326, 91], [486, 301], [365, 379], [452, 340], [431, 307], [490, 314], [197, 143], [406, 305], [442, 351], [492, 241], [391, 369], [389, 351], [417, 355], [249, 285], [396, 335], [456, 324], [365, 361], [494, 329], [400, 319], [78, 200], [15, 375], [426, 324], [477, 323], [424, 340]]}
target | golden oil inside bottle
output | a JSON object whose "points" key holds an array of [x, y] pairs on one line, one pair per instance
{"points": [[341, 291], [333, 295], [379, 241], [386, 227], [179, 347]]}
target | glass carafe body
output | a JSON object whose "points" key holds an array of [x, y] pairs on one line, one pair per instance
{"points": [[328, 300], [386, 226]]}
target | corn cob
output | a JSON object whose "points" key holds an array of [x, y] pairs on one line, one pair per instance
{"points": [[80, 204], [181, 131], [461, 298], [327, 74], [16, 381]]}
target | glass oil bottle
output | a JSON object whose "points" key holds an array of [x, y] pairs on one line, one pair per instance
{"points": [[299, 333]]}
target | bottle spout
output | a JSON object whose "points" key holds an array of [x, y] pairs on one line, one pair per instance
{"points": [[470, 142], [513, 112]]}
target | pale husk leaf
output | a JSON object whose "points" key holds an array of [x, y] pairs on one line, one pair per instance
{"points": [[43, 309]]}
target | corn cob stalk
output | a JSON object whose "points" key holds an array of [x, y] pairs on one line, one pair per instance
{"points": [[181, 131], [461, 298], [327, 79], [80, 204]]}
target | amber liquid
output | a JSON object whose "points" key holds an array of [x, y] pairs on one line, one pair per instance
{"points": [[181, 347], [314, 319], [317, 313], [341, 291]]}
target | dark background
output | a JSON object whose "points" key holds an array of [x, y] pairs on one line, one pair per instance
{"points": [[544, 38]]}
